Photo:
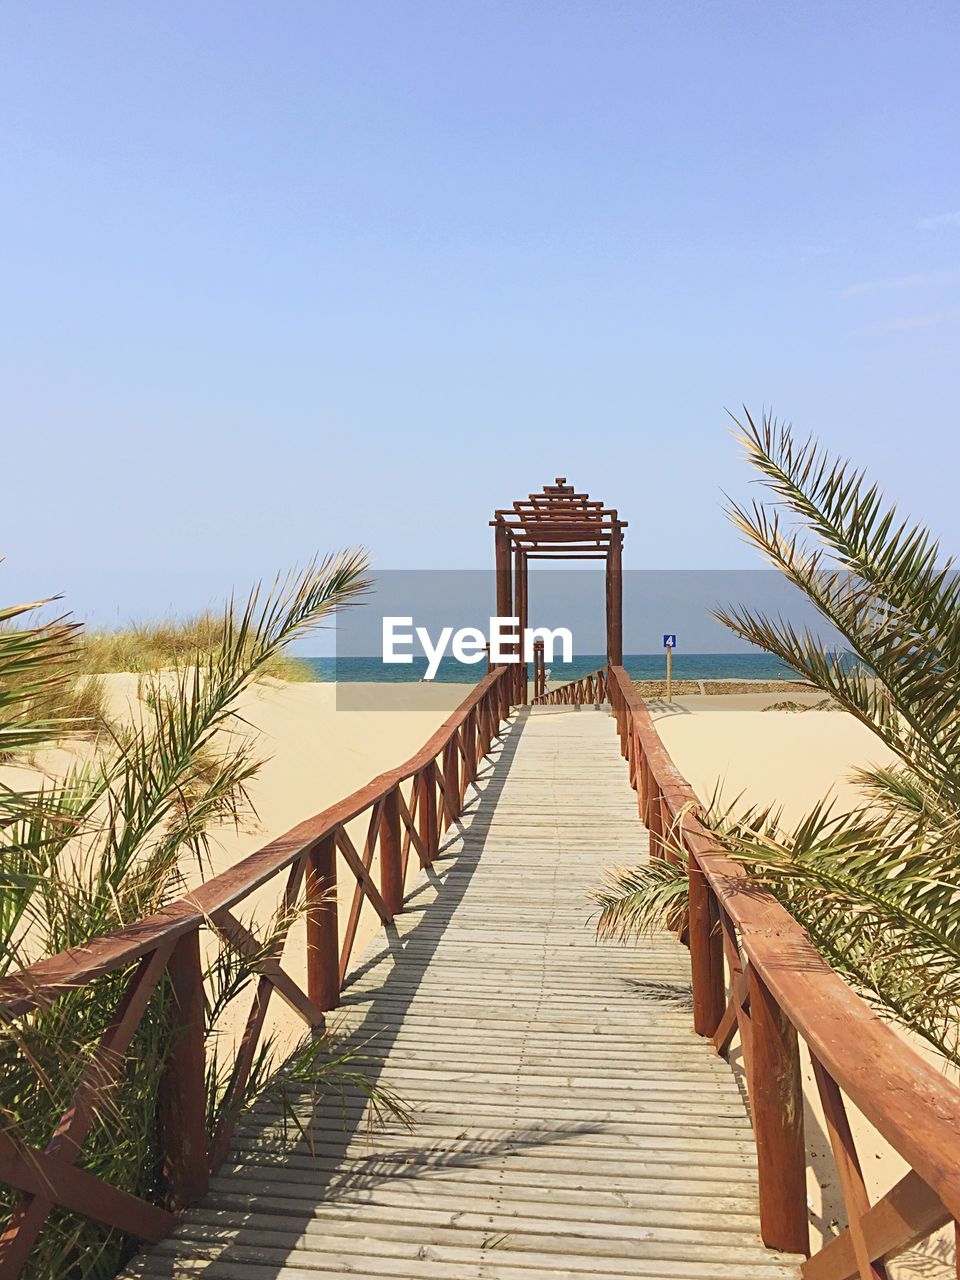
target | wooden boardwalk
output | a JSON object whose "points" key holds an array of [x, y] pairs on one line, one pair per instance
{"points": [[568, 1120]]}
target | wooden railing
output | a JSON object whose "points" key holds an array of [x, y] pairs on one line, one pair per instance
{"points": [[757, 975], [408, 809], [585, 691]]}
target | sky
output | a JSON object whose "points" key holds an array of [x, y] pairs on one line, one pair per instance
{"points": [[279, 278]]}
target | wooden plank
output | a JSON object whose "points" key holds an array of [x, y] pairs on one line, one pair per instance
{"points": [[182, 1102], [851, 1176], [776, 1100], [32, 1210], [323, 943], [240, 937], [356, 865]]}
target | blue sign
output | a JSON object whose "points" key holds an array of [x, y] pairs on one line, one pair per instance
{"points": [[669, 642]]}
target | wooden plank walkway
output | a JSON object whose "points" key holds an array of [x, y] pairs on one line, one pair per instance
{"points": [[568, 1121]]}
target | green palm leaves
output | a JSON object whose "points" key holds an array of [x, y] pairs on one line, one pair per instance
{"points": [[638, 900], [878, 580], [877, 888], [152, 792]]}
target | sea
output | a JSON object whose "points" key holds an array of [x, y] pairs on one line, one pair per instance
{"points": [[643, 666]]}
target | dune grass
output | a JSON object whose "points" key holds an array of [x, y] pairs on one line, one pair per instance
{"points": [[46, 694], [156, 646], [73, 694], [76, 696]]}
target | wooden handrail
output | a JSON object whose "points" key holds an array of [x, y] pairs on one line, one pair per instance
{"points": [[49, 978], [166, 944], [779, 982], [585, 690]]}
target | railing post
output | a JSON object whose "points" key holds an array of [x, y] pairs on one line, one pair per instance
{"points": [[183, 1122], [664, 826], [470, 731], [491, 713], [539, 667], [427, 816], [706, 953], [776, 1103], [615, 595], [391, 855], [451, 783], [484, 736], [653, 820], [323, 940]]}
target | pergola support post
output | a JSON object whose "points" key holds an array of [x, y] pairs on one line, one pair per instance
{"points": [[615, 597], [520, 589]]}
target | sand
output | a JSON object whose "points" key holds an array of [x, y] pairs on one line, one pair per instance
{"points": [[791, 757]]}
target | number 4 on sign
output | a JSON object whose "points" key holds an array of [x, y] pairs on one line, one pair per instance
{"points": [[669, 643]]}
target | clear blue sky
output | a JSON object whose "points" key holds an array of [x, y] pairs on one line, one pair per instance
{"points": [[284, 276]]}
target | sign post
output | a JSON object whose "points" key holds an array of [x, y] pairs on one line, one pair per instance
{"points": [[669, 643]]}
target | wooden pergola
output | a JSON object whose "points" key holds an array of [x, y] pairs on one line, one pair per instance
{"points": [[558, 524]]}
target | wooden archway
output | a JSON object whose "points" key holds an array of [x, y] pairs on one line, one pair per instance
{"points": [[558, 524]]}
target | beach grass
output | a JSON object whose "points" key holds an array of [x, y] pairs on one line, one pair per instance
{"points": [[170, 642], [73, 694]]}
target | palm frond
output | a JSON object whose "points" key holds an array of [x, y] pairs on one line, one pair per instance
{"points": [[878, 900], [637, 900], [877, 580], [35, 665], [875, 886]]}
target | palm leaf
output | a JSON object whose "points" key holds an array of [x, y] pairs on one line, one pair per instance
{"points": [[638, 900]]}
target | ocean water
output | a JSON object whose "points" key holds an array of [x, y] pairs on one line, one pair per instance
{"points": [[646, 666]]}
